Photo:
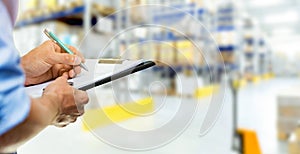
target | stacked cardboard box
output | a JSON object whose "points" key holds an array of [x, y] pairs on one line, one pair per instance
{"points": [[185, 52], [294, 142], [288, 111], [227, 57]]}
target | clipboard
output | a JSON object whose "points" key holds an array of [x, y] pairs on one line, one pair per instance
{"points": [[142, 66], [93, 78]]}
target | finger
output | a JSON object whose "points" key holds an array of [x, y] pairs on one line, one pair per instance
{"points": [[76, 52], [73, 119], [53, 45], [77, 69], [80, 110], [64, 125], [64, 58], [78, 114], [56, 70], [72, 73], [60, 125], [60, 69], [62, 79], [70, 118], [81, 97], [62, 121], [75, 111], [56, 47], [66, 75]]}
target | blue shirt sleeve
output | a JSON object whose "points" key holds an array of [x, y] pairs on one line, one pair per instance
{"points": [[14, 102]]}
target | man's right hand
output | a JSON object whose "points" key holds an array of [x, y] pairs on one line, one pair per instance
{"points": [[67, 102], [48, 61]]}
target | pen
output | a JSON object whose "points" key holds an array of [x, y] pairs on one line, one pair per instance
{"points": [[51, 36]]}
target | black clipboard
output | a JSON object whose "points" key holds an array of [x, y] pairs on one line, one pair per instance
{"points": [[144, 65]]}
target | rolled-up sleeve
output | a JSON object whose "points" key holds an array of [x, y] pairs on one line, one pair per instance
{"points": [[14, 102]]}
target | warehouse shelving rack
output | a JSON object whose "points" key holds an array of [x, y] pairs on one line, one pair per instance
{"points": [[169, 16], [52, 16]]}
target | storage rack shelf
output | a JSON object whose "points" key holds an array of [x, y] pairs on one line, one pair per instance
{"points": [[53, 16]]}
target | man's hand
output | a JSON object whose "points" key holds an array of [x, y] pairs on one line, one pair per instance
{"points": [[66, 101], [49, 61], [60, 105]]}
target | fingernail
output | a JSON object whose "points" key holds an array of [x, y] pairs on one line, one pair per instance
{"points": [[72, 74], [77, 60]]}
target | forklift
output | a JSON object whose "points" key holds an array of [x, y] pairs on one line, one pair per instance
{"points": [[245, 141]]}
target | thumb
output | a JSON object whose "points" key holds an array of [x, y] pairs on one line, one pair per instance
{"points": [[62, 79], [65, 58]]}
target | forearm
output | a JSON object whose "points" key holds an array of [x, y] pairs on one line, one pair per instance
{"points": [[41, 115]]}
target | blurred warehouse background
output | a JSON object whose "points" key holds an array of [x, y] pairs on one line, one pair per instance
{"points": [[251, 44]]}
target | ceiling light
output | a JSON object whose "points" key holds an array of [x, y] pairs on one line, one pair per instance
{"points": [[285, 17], [265, 3], [284, 39], [282, 31]]}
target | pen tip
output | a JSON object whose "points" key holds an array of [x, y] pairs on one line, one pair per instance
{"points": [[84, 67]]}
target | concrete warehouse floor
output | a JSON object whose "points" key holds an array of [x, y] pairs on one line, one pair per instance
{"points": [[257, 110]]}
